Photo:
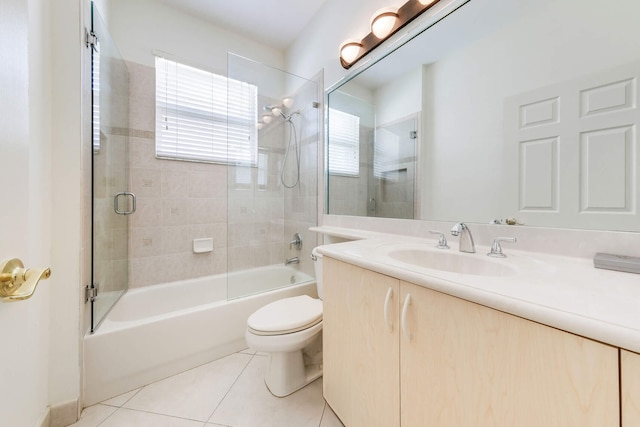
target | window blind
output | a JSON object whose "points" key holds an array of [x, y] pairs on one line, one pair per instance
{"points": [[95, 93], [386, 153], [205, 117], [344, 147]]}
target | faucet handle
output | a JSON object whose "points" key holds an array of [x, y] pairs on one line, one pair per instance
{"points": [[297, 241], [442, 242], [496, 249]]}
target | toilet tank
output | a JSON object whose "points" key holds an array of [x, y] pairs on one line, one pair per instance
{"points": [[317, 266]]}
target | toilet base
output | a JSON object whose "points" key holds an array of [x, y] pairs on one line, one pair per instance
{"points": [[290, 371]]}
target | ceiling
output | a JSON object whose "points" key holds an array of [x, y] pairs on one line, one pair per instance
{"points": [[276, 23]]}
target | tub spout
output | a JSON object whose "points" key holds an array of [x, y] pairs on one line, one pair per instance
{"points": [[294, 260]]}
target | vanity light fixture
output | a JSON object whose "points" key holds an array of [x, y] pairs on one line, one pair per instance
{"points": [[385, 23], [350, 52]]}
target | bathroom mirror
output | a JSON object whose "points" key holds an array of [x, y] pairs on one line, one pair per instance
{"points": [[524, 110]]}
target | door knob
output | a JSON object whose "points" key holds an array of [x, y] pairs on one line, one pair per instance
{"points": [[18, 283]]}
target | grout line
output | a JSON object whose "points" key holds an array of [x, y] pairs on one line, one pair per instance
{"points": [[126, 401], [152, 413], [109, 416], [324, 409], [234, 383]]}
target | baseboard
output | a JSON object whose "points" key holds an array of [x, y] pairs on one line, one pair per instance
{"points": [[64, 414], [45, 420]]}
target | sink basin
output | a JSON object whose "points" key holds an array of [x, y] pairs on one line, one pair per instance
{"points": [[453, 262]]}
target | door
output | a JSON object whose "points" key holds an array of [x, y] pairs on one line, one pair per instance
{"points": [[630, 388], [361, 349], [469, 365], [112, 202], [23, 140]]}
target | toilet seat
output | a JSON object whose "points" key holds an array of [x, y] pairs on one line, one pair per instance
{"points": [[286, 316]]}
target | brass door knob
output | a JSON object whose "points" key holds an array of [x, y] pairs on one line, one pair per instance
{"points": [[18, 283]]}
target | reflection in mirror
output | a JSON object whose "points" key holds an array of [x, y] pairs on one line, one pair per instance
{"points": [[375, 176], [525, 110]]}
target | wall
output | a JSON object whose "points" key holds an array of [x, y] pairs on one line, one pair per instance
{"points": [[177, 201], [67, 50], [143, 26], [317, 47]]}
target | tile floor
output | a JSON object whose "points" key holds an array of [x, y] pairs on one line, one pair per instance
{"points": [[225, 392]]}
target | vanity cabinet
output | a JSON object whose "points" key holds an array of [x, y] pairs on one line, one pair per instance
{"points": [[450, 362], [469, 365], [360, 349], [630, 387]]}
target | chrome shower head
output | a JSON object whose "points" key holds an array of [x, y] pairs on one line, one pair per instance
{"points": [[276, 110]]}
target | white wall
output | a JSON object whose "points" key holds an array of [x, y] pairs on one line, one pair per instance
{"points": [[66, 194], [143, 26], [317, 47]]}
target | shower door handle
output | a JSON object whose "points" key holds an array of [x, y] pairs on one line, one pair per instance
{"points": [[116, 199]]}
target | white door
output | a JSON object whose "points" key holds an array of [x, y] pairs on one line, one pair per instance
{"points": [[23, 325], [572, 149]]}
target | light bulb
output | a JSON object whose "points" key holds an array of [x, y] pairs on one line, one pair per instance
{"points": [[259, 125], [276, 111], [349, 51], [383, 22], [287, 102], [426, 2], [266, 118]]}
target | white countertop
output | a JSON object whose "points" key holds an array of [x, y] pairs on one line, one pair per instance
{"points": [[563, 292]]}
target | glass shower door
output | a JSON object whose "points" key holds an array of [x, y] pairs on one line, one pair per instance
{"points": [[275, 197], [112, 203]]}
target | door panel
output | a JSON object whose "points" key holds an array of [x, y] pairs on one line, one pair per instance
{"points": [[110, 117], [23, 325]]}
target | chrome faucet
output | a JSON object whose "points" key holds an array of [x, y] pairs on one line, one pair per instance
{"points": [[294, 260], [466, 239]]}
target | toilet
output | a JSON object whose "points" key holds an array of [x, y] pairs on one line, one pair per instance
{"points": [[290, 330]]}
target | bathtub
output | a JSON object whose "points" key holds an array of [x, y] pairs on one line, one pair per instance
{"points": [[161, 330]]}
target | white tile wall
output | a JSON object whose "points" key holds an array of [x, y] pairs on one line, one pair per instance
{"points": [[179, 201]]}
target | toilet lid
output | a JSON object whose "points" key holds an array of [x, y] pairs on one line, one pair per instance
{"points": [[286, 315]]}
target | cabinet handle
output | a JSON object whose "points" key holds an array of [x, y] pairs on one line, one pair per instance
{"points": [[386, 309], [403, 319]]}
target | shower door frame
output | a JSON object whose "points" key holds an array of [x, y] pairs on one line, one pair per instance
{"points": [[99, 38]]}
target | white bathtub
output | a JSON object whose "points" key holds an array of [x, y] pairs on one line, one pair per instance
{"points": [[158, 331]]}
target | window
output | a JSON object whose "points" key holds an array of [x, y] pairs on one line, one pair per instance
{"points": [[196, 119], [344, 150]]}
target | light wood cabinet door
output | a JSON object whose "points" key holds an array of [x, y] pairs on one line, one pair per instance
{"points": [[630, 387], [468, 365], [360, 345]]}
